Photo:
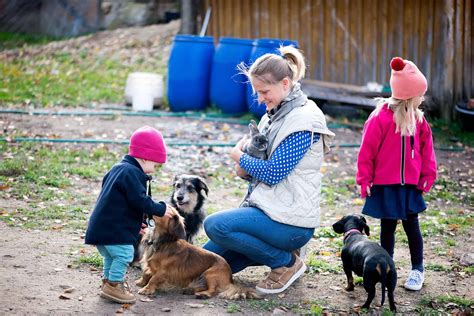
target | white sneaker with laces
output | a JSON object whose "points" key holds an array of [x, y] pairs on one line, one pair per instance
{"points": [[415, 280]]}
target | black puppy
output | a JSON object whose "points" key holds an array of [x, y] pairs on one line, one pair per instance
{"points": [[188, 198], [366, 258]]}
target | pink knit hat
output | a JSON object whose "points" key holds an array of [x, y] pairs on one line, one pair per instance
{"points": [[406, 80], [147, 143]]}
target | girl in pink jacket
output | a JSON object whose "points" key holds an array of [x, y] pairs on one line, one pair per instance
{"points": [[397, 163]]}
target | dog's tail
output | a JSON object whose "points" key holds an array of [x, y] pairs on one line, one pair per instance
{"points": [[383, 269], [235, 292]]}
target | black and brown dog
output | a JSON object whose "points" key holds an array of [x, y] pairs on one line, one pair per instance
{"points": [[188, 196], [366, 259], [173, 261]]}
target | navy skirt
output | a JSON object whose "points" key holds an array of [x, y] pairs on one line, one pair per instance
{"points": [[393, 201]]}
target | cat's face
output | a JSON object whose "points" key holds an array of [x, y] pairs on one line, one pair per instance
{"points": [[260, 142]]}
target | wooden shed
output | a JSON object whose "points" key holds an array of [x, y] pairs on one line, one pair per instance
{"points": [[352, 41]]}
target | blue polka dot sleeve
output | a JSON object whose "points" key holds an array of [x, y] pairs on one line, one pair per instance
{"points": [[284, 159]]}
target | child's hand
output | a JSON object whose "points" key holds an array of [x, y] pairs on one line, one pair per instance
{"points": [[142, 230], [169, 211], [368, 190]]}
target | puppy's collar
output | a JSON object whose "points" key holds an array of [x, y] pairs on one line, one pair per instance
{"points": [[350, 231]]}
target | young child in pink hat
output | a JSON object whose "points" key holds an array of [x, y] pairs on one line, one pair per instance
{"points": [[115, 223], [397, 163]]}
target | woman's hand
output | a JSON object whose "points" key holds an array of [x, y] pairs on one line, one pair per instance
{"points": [[236, 152]]}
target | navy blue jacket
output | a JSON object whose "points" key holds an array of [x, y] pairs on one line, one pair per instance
{"points": [[123, 200]]}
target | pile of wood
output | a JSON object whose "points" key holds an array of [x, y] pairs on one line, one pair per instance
{"points": [[343, 93]]}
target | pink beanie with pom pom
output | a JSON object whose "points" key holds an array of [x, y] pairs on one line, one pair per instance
{"points": [[406, 80], [147, 143]]}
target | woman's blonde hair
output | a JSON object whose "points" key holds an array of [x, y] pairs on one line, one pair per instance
{"points": [[406, 114], [272, 68]]}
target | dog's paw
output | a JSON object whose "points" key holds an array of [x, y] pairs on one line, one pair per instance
{"points": [[202, 295], [146, 291], [349, 288], [140, 282]]}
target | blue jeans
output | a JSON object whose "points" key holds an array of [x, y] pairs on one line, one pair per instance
{"points": [[247, 236], [116, 260]]}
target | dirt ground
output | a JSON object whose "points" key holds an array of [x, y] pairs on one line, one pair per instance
{"points": [[38, 274]]}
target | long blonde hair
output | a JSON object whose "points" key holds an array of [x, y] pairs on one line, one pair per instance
{"points": [[272, 68], [406, 114]]}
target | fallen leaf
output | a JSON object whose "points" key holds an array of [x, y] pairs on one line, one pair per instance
{"points": [[146, 299], [64, 297], [194, 305]]}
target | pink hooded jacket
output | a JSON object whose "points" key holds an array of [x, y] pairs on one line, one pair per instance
{"points": [[383, 160]]}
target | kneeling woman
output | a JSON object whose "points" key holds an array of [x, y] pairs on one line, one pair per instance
{"points": [[282, 203]]}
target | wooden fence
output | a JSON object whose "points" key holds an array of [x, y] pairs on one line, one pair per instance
{"points": [[352, 41]]}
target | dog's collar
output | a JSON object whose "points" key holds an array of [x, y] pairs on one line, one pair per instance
{"points": [[350, 231]]}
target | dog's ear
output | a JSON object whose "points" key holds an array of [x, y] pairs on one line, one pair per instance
{"points": [[364, 225], [339, 225], [203, 185], [176, 228]]}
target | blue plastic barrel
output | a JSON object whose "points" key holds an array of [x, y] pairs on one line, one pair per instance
{"points": [[260, 47], [189, 71], [228, 87]]}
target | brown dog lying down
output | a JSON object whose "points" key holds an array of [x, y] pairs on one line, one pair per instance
{"points": [[171, 260]]}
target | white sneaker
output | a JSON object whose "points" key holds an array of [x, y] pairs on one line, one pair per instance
{"points": [[415, 280]]}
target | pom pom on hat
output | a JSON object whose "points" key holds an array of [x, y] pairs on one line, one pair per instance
{"points": [[397, 63], [406, 80], [147, 143]]}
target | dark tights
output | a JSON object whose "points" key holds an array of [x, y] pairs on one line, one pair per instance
{"points": [[415, 240]]}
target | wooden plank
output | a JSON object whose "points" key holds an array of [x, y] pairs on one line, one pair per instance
{"points": [[255, 16], [343, 88], [357, 42], [317, 36], [445, 69], [468, 81], [415, 36], [341, 45], [236, 13], [264, 19], [274, 13], [368, 42], [294, 16], [329, 41], [315, 93], [382, 42], [425, 37], [408, 30], [221, 17], [458, 49], [304, 37], [284, 21], [248, 23]]}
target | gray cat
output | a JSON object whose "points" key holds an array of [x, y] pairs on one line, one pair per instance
{"points": [[257, 144]]}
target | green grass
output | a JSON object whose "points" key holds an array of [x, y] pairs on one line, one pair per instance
{"points": [[437, 267], [14, 40], [94, 259], [269, 304], [233, 308], [316, 265], [43, 178], [68, 79], [449, 134], [444, 303]]}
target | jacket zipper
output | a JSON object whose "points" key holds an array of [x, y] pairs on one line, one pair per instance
{"points": [[402, 167]]}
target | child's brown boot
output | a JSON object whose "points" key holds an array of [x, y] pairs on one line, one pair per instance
{"points": [[116, 291]]}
